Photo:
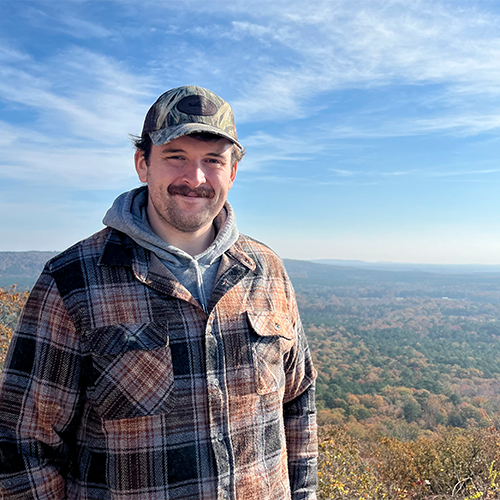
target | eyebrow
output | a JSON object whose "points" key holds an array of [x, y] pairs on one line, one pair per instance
{"points": [[167, 150], [172, 150]]}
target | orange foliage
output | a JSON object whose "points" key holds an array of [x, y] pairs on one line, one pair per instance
{"points": [[11, 303]]}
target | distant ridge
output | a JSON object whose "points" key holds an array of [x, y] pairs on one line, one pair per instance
{"points": [[306, 272], [405, 266], [22, 268]]}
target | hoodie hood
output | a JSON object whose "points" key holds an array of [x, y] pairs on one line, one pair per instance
{"points": [[128, 214]]}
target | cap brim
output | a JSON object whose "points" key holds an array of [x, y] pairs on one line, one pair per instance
{"points": [[166, 135]]}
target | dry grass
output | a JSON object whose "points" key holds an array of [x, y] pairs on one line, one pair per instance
{"points": [[450, 464]]}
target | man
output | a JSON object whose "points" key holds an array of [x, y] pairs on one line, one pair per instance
{"points": [[163, 357]]}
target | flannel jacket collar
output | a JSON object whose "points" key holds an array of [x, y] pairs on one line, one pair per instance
{"points": [[120, 250]]}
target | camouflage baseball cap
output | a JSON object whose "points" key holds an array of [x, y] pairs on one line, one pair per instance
{"points": [[186, 110]]}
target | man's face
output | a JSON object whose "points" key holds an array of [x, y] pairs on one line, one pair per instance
{"points": [[188, 182]]}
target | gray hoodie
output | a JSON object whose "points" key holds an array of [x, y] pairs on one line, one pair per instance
{"points": [[197, 274]]}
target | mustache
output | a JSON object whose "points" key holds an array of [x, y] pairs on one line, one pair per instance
{"points": [[184, 190]]}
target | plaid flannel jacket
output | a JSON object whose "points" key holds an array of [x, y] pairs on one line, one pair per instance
{"points": [[119, 385]]}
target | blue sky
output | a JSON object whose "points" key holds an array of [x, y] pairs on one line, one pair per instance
{"points": [[372, 128]]}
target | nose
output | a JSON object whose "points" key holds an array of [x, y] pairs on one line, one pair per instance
{"points": [[194, 174]]}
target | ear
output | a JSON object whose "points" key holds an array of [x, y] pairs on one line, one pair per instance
{"points": [[141, 166], [233, 174]]}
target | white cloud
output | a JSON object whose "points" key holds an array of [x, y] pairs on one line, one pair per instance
{"points": [[79, 94], [447, 122], [10, 54], [331, 46], [286, 56], [359, 48], [342, 173], [80, 28], [313, 49], [61, 17], [265, 149], [72, 167]]}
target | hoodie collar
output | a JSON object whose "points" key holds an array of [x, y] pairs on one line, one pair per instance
{"points": [[128, 215]]}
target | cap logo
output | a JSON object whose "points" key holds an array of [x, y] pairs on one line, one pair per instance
{"points": [[196, 105]]}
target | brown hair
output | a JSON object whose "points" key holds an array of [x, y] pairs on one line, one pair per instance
{"points": [[144, 143]]}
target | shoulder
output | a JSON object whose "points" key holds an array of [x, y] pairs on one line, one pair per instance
{"points": [[62, 280], [264, 257], [84, 264], [269, 276], [88, 249], [87, 269], [257, 249]]}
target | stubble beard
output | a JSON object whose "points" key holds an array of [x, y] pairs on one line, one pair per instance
{"points": [[167, 208]]}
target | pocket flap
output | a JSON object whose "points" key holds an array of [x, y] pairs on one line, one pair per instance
{"points": [[117, 339], [271, 323]]}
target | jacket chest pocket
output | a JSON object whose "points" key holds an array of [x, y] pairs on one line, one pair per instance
{"points": [[272, 338], [132, 373]]}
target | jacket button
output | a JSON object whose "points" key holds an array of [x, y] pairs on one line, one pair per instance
{"points": [[277, 326]]}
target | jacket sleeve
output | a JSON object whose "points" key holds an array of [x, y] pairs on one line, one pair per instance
{"points": [[299, 412], [39, 398]]}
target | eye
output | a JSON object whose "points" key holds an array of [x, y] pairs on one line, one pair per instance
{"points": [[213, 161]]}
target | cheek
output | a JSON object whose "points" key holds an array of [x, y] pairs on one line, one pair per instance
{"points": [[224, 180], [160, 179]]}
